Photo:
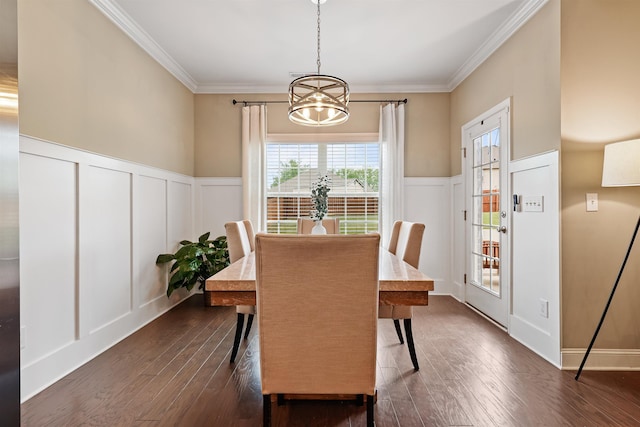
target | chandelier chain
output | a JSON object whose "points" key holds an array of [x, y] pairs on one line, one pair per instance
{"points": [[318, 60]]}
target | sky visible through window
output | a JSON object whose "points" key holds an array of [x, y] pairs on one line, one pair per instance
{"points": [[491, 138]]}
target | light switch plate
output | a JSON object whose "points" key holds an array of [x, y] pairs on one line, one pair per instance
{"points": [[532, 203], [592, 202]]}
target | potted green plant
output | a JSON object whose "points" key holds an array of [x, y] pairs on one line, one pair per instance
{"points": [[195, 262], [320, 200]]}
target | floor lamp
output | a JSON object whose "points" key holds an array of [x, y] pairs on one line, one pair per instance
{"points": [[621, 168]]}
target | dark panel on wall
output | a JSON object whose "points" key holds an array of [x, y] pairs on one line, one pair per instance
{"points": [[9, 235]]}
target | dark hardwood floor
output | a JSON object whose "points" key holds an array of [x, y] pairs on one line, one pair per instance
{"points": [[176, 372]]}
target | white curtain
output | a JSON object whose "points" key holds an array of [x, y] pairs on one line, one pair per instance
{"points": [[254, 134], [391, 133]]}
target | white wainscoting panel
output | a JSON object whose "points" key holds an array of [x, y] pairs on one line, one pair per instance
{"points": [[91, 228], [428, 200], [48, 293], [151, 238], [458, 255], [535, 245], [218, 200], [180, 212], [181, 195], [105, 245]]}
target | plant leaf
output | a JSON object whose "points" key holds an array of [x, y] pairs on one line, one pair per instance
{"points": [[162, 258], [188, 252], [177, 278]]}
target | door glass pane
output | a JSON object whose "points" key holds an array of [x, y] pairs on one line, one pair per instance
{"points": [[485, 215]]}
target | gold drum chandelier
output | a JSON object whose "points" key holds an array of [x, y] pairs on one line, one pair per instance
{"points": [[318, 99]]}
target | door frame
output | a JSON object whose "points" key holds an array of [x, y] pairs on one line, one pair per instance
{"points": [[505, 191]]}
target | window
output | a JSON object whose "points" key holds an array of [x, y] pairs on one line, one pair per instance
{"points": [[353, 169]]}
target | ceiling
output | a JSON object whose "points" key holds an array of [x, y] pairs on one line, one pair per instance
{"points": [[252, 46]]}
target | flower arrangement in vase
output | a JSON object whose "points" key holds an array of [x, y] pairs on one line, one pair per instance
{"points": [[319, 197]]}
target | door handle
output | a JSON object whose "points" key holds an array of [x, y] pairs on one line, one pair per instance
{"points": [[502, 229]]}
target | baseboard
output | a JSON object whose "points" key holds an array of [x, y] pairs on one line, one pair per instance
{"points": [[601, 359], [540, 341]]}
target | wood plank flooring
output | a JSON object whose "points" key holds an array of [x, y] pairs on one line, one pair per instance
{"points": [[176, 372]]}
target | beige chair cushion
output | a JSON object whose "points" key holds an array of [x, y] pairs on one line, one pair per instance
{"points": [[332, 225], [240, 243], [405, 243], [395, 311], [317, 302], [240, 239]]}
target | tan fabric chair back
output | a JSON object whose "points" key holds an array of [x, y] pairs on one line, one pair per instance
{"points": [[240, 239], [332, 225], [406, 241], [317, 300]]}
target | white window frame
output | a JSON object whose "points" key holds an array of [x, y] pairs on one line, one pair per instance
{"points": [[324, 138]]}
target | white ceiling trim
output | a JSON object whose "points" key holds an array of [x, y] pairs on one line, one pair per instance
{"points": [[139, 36], [501, 35], [123, 21], [213, 89]]}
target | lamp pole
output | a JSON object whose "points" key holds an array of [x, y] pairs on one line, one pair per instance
{"points": [[606, 308]]}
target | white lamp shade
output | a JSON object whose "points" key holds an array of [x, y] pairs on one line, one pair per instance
{"points": [[621, 166]]}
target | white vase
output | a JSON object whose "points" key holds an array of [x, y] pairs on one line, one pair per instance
{"points": [[318, 228]]}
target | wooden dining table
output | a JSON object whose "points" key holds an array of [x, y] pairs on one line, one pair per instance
{"points": [[399, 283]]}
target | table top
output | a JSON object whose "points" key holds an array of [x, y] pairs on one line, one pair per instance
{"points": [[394, 275]]}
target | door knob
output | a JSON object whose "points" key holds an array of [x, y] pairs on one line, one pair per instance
{"points": [[502, 229]]}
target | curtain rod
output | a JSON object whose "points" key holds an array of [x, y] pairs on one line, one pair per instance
{"points": [[246, 103]]}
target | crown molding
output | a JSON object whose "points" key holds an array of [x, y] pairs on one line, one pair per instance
{"points": [[212, 88], [501, 35], [122, 20], [387, 88], [399, 88]]}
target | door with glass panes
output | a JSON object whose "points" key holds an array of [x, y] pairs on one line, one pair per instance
{"points": [[486, 145]]}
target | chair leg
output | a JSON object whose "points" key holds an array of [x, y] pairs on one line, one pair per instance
{"points": [[370, 402], [266, 410], [249, 323], [412, 348], [396, 323], [236, 341]]}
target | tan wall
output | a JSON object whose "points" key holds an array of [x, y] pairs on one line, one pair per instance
{"points": [[85, 84], [526, 68], [218, 130], [600, 104]]}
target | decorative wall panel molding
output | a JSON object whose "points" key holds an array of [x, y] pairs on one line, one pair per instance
{"points": [[91, 228]]}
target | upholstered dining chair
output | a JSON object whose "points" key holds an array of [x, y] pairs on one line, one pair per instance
{"points": [[240, 243], [304, 277], [405, 243], [332, 225]]}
